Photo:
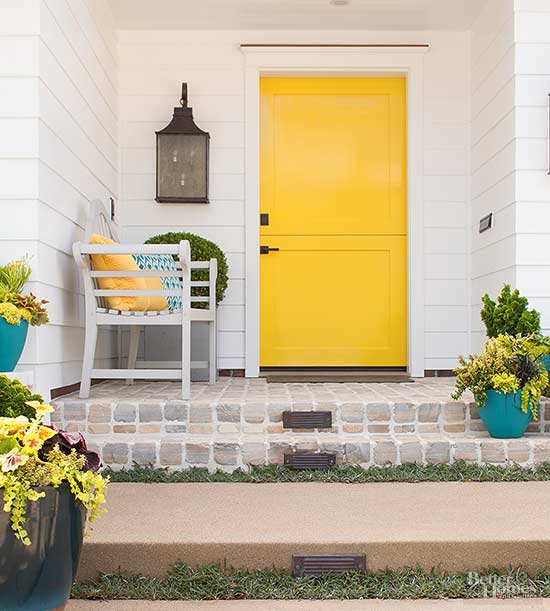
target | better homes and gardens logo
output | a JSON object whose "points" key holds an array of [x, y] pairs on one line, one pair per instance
{"points": [[501, 586]]}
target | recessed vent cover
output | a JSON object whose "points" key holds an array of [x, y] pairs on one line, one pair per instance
{"points": [[310, 460], [303, 564], [307, 420]]}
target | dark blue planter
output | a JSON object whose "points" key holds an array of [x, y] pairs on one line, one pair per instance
{"points": [[12, 342], [502, 416], [38, 577]]}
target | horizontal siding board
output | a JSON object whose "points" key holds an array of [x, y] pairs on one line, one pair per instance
{"points": [[54, 40], [77, 106], [19, 97], [446, 319], [151, 214], [20, 55], [445, 214], [18, 137], [18, 178], [446, 266]]}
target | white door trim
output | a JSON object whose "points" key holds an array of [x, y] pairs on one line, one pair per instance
{"points": [[330, 61]]}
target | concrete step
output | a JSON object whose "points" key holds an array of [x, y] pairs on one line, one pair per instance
{"points": [[312, 605], [458, 526]]}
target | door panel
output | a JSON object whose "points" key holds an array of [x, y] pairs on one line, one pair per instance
{"points": [[333, 156], [333, 301], [333, 181]]}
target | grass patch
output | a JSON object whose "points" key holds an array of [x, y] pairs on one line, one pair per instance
{"points": [[349, 474], [215, 583]]}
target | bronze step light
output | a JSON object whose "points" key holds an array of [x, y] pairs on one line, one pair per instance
{"points": [[307, 420], [305, 565], [302, 461]]}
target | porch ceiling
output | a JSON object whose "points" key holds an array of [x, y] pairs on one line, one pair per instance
{"points": [[296, 14]]}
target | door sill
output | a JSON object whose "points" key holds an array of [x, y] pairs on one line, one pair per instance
{"points": [[335, 375]]}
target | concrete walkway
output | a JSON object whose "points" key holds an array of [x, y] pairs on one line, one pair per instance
{"points": [[327, 605], [459, 526]]}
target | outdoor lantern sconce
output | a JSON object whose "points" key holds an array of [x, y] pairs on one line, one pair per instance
{"points": [[182, 158]]}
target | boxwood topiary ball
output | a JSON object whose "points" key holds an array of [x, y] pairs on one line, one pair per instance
{"points": [[201, 250]]}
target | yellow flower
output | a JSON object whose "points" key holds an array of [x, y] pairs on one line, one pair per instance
{"points": [[10, 426], [41, 408], [31, 440], [34, 437], [46, 432], [10, 313]]}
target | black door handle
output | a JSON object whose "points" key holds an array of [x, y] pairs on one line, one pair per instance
{"points": [[265, 250]]}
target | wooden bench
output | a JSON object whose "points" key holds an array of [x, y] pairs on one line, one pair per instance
{"points": [[99, 314]]}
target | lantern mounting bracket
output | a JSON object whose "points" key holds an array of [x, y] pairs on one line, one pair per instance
{"points": [[183, 99]]}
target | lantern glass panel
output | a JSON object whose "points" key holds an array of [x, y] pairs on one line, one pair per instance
{"points": [[182, 166]]}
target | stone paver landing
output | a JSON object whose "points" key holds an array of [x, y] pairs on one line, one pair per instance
{"points": [[238, 422]]}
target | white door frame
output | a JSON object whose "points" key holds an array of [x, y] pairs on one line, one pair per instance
{"points": [[336, 61]]}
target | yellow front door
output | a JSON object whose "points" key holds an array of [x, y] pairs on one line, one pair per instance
{"points": [[333, 184]]}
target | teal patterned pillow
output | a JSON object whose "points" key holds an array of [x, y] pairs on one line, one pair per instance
{"points": [[167, 263]]}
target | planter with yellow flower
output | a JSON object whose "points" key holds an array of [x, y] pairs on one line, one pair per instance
{"points": [[50, 481], [507, 380], [17, 311]]}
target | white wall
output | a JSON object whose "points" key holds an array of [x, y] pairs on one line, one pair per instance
{"points": [[532, 82], [19, 120], [510, 86], [58, 150], [78, 162], [152, 65], [493, 155]]}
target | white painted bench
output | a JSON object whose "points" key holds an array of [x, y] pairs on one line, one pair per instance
{"points": [[99, 314]]}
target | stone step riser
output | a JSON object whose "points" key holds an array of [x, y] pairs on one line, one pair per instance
{"points": [[230, 455], [176, 417]]}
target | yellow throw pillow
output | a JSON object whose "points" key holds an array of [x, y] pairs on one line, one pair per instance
{"points": [[126, 263]]}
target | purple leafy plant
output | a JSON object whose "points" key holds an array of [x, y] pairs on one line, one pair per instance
{"points": [[73, 441]]}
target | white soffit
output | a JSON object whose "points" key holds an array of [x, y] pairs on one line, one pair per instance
{"points": [[450, 15]]}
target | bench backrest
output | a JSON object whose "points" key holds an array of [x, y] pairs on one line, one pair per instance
{"points": [[99, 221]]}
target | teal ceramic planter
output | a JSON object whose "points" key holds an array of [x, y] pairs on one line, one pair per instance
{"points": [[12, 342], [546, 362], [502, 416]]}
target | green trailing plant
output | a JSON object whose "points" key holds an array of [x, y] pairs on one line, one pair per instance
{"points": [[507, 364], [14, 397], [201, 250], [509, 315], [34, 455]]}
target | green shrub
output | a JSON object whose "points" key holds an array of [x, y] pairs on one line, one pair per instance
{"points": [[510, 315], [201, 250], [13, 396]]}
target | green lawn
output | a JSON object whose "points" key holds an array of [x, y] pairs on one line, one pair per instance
{"points": [[214, 583], [458, 472]]}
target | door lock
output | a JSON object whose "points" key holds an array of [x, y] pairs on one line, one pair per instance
{"points": [[265, 250]]}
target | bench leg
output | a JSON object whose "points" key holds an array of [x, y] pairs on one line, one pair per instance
{"points": [[186, 360], [88, 361], [135, 332], [212, 353]]}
